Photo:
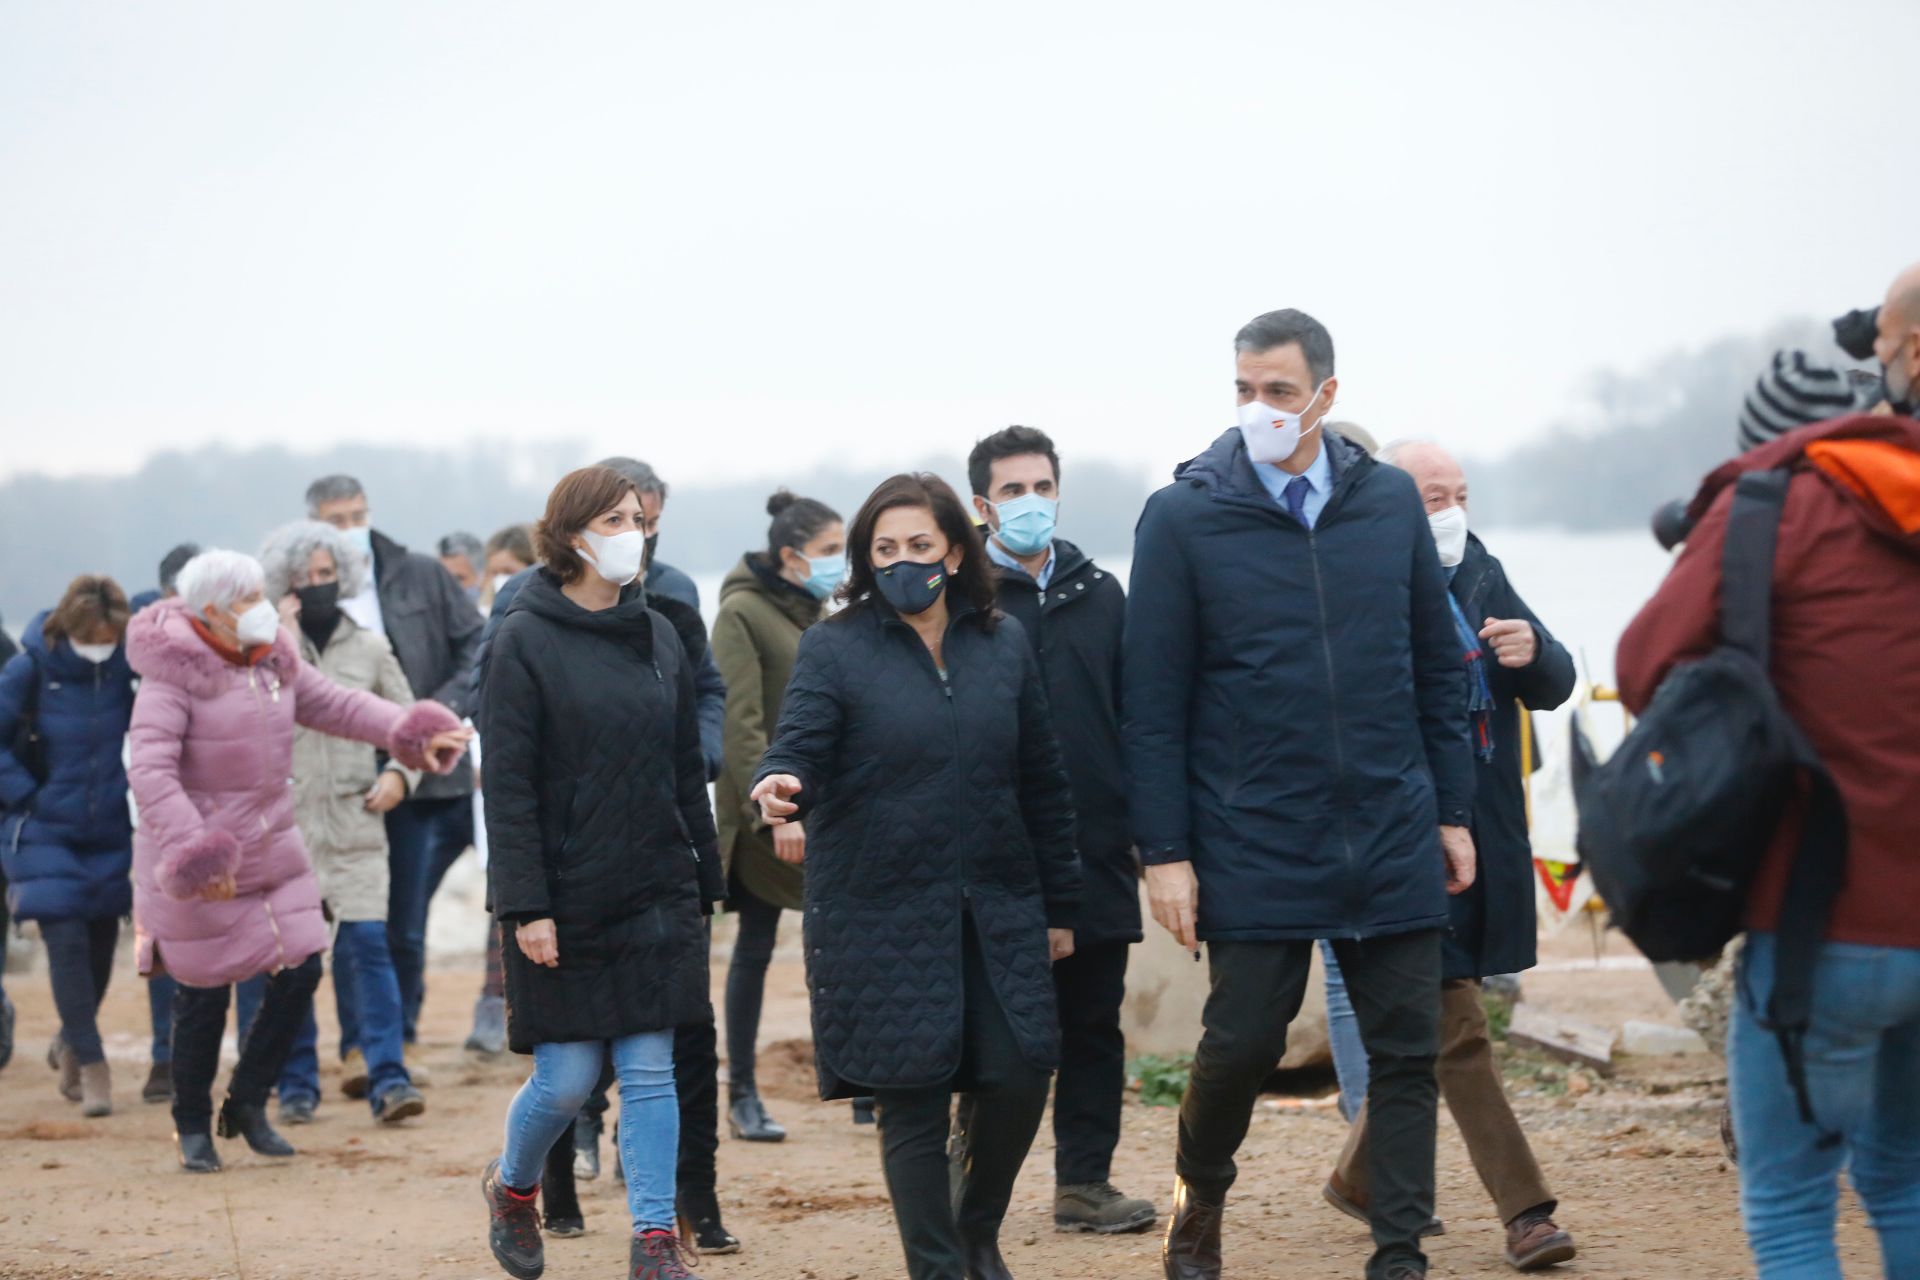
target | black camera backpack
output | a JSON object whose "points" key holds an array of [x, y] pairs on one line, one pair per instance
{"points": [[1676, 822]]}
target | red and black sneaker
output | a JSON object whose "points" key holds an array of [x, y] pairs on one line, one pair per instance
{"points": [[659, 1255], [513, 1227]]}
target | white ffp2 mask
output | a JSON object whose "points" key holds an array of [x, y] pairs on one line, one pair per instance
{"points": [[1273, 434], [617, 558], [258, 625], [1450, 534]]}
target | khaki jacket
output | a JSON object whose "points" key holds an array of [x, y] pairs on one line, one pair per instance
{"points": [[331, 778], [755, 639]]}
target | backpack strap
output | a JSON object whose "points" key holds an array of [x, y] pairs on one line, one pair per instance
{"points": [[1746, 562], [1820, 860]]}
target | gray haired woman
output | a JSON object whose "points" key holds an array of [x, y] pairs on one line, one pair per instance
{"points": [[340, 794]]}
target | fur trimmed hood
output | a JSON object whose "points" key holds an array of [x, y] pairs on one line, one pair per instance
{"points": [[162, 645]]}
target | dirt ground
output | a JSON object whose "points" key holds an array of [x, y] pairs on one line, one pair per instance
{"points": [[1636, 1160]]}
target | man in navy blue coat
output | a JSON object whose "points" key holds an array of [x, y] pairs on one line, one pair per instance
{"points": [[1300, 768]]}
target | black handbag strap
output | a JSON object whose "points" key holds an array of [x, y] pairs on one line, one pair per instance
{"points": [[1746, 563]]}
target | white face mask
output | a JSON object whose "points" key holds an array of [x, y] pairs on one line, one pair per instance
{"points": [[500, 580], [1450, 534], [1273, 434], [617, 559], [258, 625], [94, 653]]}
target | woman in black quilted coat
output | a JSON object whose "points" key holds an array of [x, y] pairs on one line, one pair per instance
{"points": [[602, 861], [941, 874]]}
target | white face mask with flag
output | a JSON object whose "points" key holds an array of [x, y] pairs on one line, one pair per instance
{"points": [[1273, 434], [1450, 534]]}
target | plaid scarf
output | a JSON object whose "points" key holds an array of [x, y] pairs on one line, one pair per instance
{"points": [[1479, 692]]}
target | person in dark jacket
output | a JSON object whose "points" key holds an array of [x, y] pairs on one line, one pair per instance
{"points": [[766, 605], [941, 877], [1073, 613], [66, 837], [508, 552], [1297, 749], [434, 628], [7, 650], [696, 1050], [602, 858], [161, 987], [1846, 666], [1514, 667]]}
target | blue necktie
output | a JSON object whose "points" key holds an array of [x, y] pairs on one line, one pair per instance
{"points": [[1296, 494]]}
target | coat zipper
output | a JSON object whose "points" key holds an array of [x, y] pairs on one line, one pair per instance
{"points": [[1333, 705], [273, 922], [661, 681]]}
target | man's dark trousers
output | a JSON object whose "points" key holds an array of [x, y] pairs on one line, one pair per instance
{"points": [[1256, 991], [1091, 1088]]}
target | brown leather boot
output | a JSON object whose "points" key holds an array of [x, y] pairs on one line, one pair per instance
{"points": [[1534, 1242], [1192, 1247]]}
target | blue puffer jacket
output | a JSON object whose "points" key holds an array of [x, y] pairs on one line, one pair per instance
{"points": [[1296, 703], [68, 844]]}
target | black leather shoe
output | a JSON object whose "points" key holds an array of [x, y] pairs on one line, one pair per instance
{"points": [[700, 1220], [985, 1263], [197, 1154], [1192, 1247], [240, 1120], [749, 1121]]}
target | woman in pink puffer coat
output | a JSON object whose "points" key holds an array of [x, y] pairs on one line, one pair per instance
{"points": [[223, 889]]}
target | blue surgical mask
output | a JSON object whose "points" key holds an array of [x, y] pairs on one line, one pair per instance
{"points": [[824, 575], [1026, 524], [361, 536]]}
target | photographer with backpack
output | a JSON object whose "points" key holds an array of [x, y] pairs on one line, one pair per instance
{"points": [[1816, 650]]}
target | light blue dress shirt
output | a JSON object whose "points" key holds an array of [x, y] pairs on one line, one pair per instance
{"points": [[1319, 479], [1004, 558]]}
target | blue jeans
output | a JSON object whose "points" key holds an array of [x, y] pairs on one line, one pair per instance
{"points": [[1343, 1033], [367, 996], [1863, 1073], [563, 1076], [160, 990], [424, 838]]}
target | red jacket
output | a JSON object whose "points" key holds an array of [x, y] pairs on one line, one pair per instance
{"points": [[1846, 649]]}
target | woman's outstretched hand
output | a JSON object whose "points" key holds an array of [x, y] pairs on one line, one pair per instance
{"points": [[444, 749], [774, 796], [539, 943]]}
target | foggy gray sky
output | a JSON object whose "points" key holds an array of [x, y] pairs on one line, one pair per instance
{"points": [[739, 237]]}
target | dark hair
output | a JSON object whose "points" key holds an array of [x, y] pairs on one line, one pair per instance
{"points": [[1013, 442], [645, 479], [332, 489], [795, 522], [1278, 328], [516, 540], [577, 501], [173, 562], [90, 602], [974, 581], [462, 543]]}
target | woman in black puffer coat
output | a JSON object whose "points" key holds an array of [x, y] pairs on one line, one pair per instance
{"points": [[602, 860], [941, 875]]}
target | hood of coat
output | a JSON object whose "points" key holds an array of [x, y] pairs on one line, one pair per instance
{"points": [[1225, 470], [1874, 459], [60, 660], [756, 575], [542, 597], [162, 645]]}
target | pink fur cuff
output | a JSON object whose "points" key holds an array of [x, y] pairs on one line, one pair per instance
{"points": [[206, 859], [417, 727]]}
